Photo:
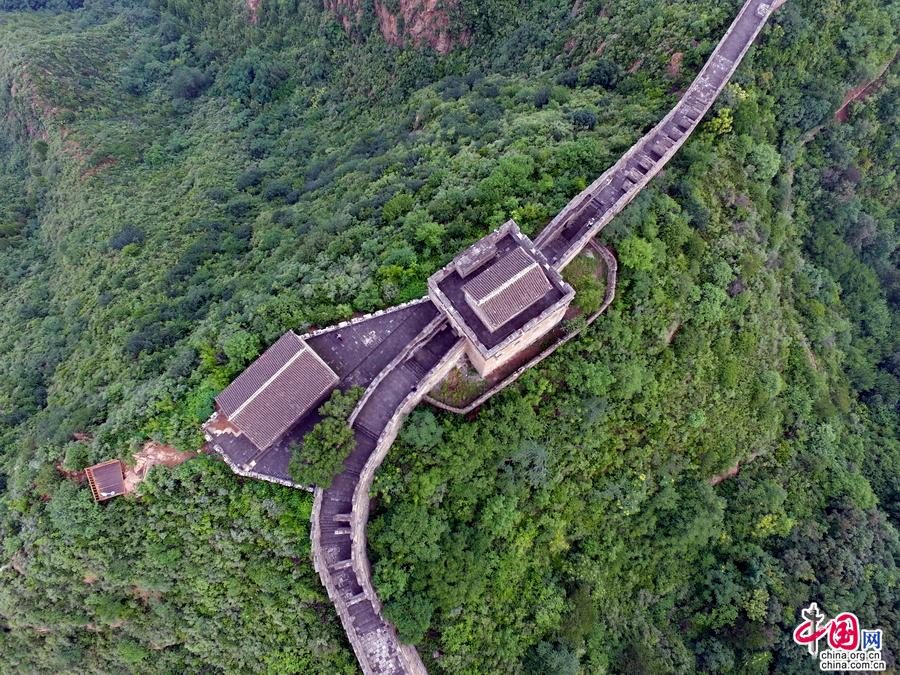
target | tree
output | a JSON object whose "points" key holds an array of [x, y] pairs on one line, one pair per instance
{"points": [[430, 233], [722, 123], [766, 161], [584, 119], [77, 456], [568, 78], [318, 457], [396, 207], [603, 73], [542, 97], [127, 235], [411, 614], [636, 253], [255, 77], [240, 347], [250, 178], [421, 430], [552, 658]]}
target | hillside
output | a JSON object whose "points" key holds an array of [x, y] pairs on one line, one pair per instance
{"points": [[183, 182]]}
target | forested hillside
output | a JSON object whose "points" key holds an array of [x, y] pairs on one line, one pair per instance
{"points": [[181, 182]]}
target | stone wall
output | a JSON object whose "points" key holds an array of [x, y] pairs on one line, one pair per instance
{"points": [[359, 561], [557, 224], [257, 476], [361, 504], [384, 640], [532, 332], [364, 317]]}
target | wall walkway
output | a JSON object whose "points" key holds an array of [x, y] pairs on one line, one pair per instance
{"points": [[340, 513], [589, 212]]}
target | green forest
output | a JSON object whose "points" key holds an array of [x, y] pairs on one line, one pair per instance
{"points": [[181, 182]]}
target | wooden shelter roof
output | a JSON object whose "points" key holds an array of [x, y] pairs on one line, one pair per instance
{"points": [[506, 288], [106, 479]]}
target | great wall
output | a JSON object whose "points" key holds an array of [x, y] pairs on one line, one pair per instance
{"points": [[409, 349]]}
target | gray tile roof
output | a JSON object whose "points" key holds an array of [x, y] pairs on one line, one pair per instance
{"points": [[257, 373], [506, 288], [276, 390]]}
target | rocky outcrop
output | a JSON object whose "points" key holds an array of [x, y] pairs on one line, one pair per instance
{"points": [[409, 22]]}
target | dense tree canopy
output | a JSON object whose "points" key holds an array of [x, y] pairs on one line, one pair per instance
{"points": [[317, 459]]}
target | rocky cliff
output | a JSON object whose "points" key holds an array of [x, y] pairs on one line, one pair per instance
{"points": [[416, 22]]}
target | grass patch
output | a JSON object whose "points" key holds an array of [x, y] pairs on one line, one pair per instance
{"points": [[587, 275]]}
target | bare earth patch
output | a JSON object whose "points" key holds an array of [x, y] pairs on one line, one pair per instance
{"points": [[672, 331], [253, 8], [97, 168], [77, 476], [733, 471], [151, 455], [674, 68], [860, 92]]}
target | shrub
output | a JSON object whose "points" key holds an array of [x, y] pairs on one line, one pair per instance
{"points": [[569, 78], [250, 178], [128, 235], [188, 83], [277, 190]]}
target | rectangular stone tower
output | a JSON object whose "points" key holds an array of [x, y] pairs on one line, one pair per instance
{"points": [[502, 295]]}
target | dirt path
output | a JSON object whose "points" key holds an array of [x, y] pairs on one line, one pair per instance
{"points": [[860, 92], [151, 455]]}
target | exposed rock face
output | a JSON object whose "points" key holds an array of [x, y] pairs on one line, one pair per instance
{"points": [[253, 8], [27, 107], [416, 22]]}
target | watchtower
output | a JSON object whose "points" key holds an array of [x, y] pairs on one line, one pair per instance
{"points": [[502, 295]]}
